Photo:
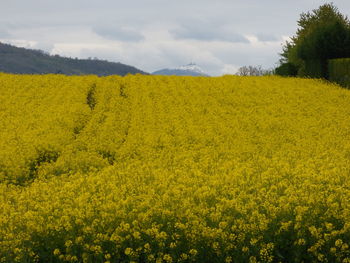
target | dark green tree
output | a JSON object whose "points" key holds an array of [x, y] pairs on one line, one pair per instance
{"points": [[323, 34], [287, 69]]}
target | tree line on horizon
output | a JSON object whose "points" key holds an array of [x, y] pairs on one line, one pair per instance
{"points": [[322, 35], [319, 49], [28, 61]]}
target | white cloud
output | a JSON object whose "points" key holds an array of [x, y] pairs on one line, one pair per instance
{"points": [[115, 32], [229, 69], [220, 35], [20, 42], [205, 31]]}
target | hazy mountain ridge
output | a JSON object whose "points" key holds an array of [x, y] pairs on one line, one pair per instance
{"points": [[27, 61], [187, 70]]}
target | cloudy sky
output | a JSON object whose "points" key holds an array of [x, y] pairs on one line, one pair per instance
{"points": [[218, 35]]}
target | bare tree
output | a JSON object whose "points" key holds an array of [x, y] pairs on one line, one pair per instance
{"points": [[253, 71]]}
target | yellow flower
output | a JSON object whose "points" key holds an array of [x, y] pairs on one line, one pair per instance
{"points": [[173, 161], [68, 243], [167, 258], [338, 243], [228, 259], [128, 251]]}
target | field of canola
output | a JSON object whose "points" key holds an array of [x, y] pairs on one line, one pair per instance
{"points": [[173, 169]]}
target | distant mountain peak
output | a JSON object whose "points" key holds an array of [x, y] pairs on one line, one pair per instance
{"points": [[191, 69]]}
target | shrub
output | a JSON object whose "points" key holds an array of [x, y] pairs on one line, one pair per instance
{"points": [[339, 71], [314, 69], [287, 69]]}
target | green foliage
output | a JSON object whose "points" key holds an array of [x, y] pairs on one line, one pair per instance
{"points": [[314, 68], [339, 71], [90, 98], [328, 41], [323, 34], [287, 70]]}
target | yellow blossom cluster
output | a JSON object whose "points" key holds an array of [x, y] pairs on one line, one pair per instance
{"points": [[173, 169]]}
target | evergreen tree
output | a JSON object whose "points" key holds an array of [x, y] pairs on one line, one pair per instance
{"points": [[323, 34]]}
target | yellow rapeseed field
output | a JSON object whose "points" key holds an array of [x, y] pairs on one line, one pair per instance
{"points": [[173, 169]]}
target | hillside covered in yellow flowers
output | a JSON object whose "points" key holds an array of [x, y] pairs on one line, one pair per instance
{"points": [[173, 169]]}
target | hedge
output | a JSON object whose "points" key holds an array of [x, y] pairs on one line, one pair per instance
{"points": [[339, 71], [287, 70]]}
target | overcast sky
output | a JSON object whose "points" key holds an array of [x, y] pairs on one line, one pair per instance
{"points": [[218, 35]]}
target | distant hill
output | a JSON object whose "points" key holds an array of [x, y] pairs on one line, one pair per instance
{"points": [[27, 61], [187, 70]]}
